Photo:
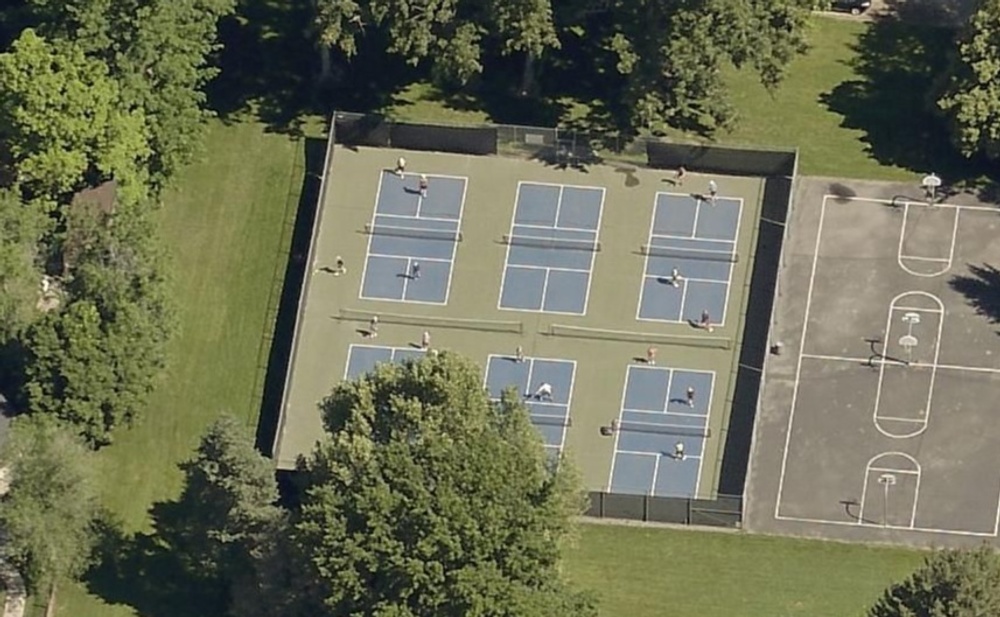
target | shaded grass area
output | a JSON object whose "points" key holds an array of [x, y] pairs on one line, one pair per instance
{"points": [[644, 571], [857, 105], [228, 227]]}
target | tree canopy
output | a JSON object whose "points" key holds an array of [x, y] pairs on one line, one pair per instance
{"points": [[22, 227], [64, 121], [971, 98], [670, 56], [950, 583], [49, 515], [159, 52], [429, 499], [94, 363]]}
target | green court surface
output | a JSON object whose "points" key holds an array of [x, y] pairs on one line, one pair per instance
{"points": [[583, 319]]}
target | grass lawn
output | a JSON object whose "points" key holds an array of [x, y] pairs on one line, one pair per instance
{"points": [[853, 105], [228, 228], [643, 571]]}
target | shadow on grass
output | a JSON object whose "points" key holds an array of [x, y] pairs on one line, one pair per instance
{"points": [[296, 270], [981, 289], [146, 571], [893, 104], [898, 64]]}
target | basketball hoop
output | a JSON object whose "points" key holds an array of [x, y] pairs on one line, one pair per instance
{"points": [[930, 184]]}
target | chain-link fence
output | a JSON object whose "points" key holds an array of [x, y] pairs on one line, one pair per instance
{"points": [[565, 146], [723, 511]]}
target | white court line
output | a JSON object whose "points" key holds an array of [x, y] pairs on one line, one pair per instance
{"points": [[951, 250], [704, 445], [944, 367], [656, 454], [527, 267], [645, 266], [732, 265], [553, 228], [894, 470], [407, 278], [656, 473], [392, 353], [593, 255], [687, 278], [915, 309], [933, 378], [660, 413], [698, 238], [506, 259], [401, 301], [407, 217], [569, 403], [697, 214], [424, 259], [545, 288], [868, 470], [454, 245], [621, 416], [798, 367], [953, 532], [895, 419], [429, 176], [934, 259], [888, 202], [555, 223], [368, 249]]}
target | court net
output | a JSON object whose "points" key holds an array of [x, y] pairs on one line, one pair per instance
{"points": [[447, 235], [433, 321], [679, 253], [552, 243], [662, 429], [643, 338], [550, 420]]}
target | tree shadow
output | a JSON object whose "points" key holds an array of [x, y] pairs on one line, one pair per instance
{"points": [[981, 289], [893, 103], [147, 571], [933, 12]]}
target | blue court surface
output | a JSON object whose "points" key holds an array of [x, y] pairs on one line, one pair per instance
{"points": [[551, 417], [412, 239], [551, 248], [655, 417], [363, 359], [698, 239]]}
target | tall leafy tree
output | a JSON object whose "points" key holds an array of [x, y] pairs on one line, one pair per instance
{"points": [[94, 363], [951, 583], [160, 53], [672, 54], [971, 97], [65, 122], [429, 499], [49, 514], [22, 227], [228, 506], [450, 33]]}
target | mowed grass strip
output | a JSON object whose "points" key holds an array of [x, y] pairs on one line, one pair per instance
{"points": [[640, 571], [227, 227]]}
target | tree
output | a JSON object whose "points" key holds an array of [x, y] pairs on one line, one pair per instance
{"points": [[22, 227], [159, 52], [50, 513], [951, 583], [429, 499], [971, 98], [94, 363], [672, 54], [64, 121], [451, 33], [228, 506]]}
